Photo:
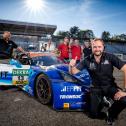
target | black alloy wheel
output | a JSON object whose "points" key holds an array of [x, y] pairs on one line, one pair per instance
{"points": [[43, 89]]}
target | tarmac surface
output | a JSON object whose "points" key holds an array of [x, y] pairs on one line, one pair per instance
{"points": [[19, 109]]}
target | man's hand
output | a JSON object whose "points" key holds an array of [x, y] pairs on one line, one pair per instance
{"points": [[119, 95], [73, 62], [72, 68], [21, 50]]}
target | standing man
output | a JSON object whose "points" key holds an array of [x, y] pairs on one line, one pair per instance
{"points": [[64, 50], [87, 49], [100, 66], [76, 50], [7, 46]]}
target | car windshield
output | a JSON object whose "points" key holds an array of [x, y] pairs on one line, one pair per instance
{"points": [[46, 60]]}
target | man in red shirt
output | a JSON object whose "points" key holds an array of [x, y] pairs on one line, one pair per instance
{"points": [[64, 49], [76, 50]]}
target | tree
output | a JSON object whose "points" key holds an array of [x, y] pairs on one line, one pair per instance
{"points": [[89, 34], [123, 37], [63, 34], [105, 35], [74, 32], [86, 34]]}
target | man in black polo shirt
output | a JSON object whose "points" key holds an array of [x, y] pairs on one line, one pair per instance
{"points": [[6, 47], [100, 66]]}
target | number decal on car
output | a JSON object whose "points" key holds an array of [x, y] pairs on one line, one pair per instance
{"points": [[20, 76]]}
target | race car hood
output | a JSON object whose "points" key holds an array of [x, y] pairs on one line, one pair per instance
{"points": [[53, 72], [63, 67], [83, 75]]}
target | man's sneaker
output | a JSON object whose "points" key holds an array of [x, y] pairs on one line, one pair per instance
{"points": [[109, 119]]}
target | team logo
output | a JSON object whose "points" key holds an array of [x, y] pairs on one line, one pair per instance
{"points": [[106, 62], [92, 66], [71, 89]]}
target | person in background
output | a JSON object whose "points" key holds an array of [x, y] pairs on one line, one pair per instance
{"points": [[45, 47], [100, 66], [76, 50], [7, 47], [49, 44], [70, 43], [87, 49], [64, 50], [42, 48]]}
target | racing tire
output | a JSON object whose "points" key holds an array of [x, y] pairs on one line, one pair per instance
{"points": [[43, 89]]}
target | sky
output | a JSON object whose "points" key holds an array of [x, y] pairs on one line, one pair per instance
{"points": [[97, 15]]}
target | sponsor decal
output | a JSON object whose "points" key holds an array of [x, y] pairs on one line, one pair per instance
{"points": [[20, 76], [70, 96], [83, 75], [71, 89], [66, 105], [3, 74], [20, 72]]}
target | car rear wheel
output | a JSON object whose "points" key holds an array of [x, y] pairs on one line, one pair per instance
{"points": [[43, 89]]}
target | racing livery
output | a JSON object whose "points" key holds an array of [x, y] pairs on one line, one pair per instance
{"points": [[49, 84]]}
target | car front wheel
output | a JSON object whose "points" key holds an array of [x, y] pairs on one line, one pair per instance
{"points": [[43, 89]]}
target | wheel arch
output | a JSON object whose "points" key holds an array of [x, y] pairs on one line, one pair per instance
{"points": [[35, 80]]}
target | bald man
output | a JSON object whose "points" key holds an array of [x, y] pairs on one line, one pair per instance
{"points": [[7, 46]]}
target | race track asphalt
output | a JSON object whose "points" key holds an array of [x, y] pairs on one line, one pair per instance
{"points": [[19, 109]]}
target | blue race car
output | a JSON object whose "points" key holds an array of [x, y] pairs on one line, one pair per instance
{"points": [[48, 80]]}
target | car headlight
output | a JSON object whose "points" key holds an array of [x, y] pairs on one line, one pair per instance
{"points": [[68, 77]]}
